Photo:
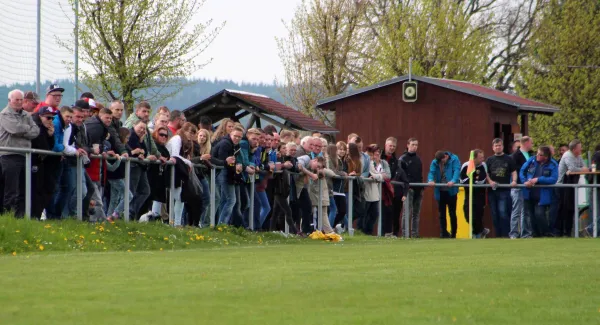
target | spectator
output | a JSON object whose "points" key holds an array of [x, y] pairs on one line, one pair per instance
{"points": [[176, 121], [316, 134], [540, 170], [302, 205], [138, 183], [224, 154], [87, 95], [117, 107], [264, 160], [563, 148], [445, 169], [116, 179], [339, 187], [411, 163], [161, 120], [206, 123], [30, 101], [333, 164], [317, 172], [589, 230], [43, 167], [515, 146], [159, 176], [248, 147], [355, 166], [54, 95], [97, 132], [204, 157], [162, 111], [79, 135], [181, 146], [379, 171], [391, 214], [306, 146], [479, 177], [17, 129], [520, 157], [281, 191], [296, 137], [224, 129], [501, 170], [360, 207], [571, 162]]}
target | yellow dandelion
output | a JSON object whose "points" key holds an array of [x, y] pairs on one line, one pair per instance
{"points": [[97, 240], [17, 230], [81, 236], [93, 233], [102, 242], [48, 226], [14, 253], [65, 238], [161, 249], [220, 229], [26, 242], [187, 243], [166, 238], [454, 318], [52, 231], [129, 250], [41, 247], [105, 248]]}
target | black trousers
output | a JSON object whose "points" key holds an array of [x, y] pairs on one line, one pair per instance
{"points": [[342, 207], [359, 212], [566, 210], [281, 207], [447, 201], [89, 185], [13, 177], [392, 216], [372, 215], [302, 211], [478, 209]]}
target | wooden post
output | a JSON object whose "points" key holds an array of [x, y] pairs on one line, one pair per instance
{"points": [[525, 124]]}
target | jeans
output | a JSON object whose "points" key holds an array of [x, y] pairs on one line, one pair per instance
{"points": [[517, 216], [501, 207], [261, 208], [87, 198], [281, 206], [447, 201], [372, 215], [97, 197], [65, 187], [302, 210], [204, 217], [332, 211], [178, 207], [538, 216], [228, 198], [414, 199], [117, 196], [139, 186], [71, 208], [13, 175]]}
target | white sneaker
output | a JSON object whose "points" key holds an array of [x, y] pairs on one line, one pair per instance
{"points": [[146, 216], [43, 217], [339, 229]]}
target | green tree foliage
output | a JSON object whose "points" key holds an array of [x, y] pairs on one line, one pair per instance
{"points": [[562, 69], [445, 38], [137, 45]]}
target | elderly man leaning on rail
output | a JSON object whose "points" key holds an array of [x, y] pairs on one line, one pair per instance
{"points": [[16, 131], [571, 162]]}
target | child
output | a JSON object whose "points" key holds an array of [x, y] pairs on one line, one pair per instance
{"points": [[116, 179]]}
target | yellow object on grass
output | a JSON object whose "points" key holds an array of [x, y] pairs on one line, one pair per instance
{"points": [[317, 234], [463, 225]]}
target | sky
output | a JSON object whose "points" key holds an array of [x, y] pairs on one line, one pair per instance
{"points": [[245, 50]]}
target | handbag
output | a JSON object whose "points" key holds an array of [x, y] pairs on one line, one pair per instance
{"points": [[192, 189]]}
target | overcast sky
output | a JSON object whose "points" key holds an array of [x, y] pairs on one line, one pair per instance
{"points": [[245, 50]]}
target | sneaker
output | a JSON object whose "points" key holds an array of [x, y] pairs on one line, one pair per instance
{"points": [[146, 217], [339, 229], [513, 237], [43, 217], [484, 233]]}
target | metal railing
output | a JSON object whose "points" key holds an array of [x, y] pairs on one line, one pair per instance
{"points": [[212, 206]]}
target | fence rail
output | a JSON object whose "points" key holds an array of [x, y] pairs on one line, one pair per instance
{"points": [[212, 208]]}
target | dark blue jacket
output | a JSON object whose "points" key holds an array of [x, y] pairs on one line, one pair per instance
{"points": [[452, 170], [549, 176]]}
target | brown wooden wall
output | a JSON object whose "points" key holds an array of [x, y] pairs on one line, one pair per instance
{"points": [[442, 119]]}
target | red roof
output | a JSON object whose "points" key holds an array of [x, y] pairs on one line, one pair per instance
{"points": [[274, 107]]}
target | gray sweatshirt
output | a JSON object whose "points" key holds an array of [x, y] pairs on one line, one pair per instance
{"points": [[569, 162], [17, 129]]}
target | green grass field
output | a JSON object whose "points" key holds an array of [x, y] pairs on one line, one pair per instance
{"points": [[359, 281]]}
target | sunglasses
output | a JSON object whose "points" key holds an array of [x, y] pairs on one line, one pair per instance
{"points": [[163, 135]]}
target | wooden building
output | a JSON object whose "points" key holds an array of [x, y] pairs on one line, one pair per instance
{"points": [[253, 110], [448, 115]]}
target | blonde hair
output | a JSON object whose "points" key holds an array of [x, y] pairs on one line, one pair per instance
{"points": [[323, 141], [291, 145], [221, 130], [254, 131], [207, 146], [342, 144]]}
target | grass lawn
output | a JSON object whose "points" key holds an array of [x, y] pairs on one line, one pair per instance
{"points": [[359, 281]]}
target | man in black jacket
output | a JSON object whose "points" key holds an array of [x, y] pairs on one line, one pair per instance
{"points": [[392, 213], [520, 157], [413, 167], [43, 167], [224, 155]]}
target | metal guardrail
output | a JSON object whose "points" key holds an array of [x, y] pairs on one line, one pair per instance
{"points": [[212, 208]]}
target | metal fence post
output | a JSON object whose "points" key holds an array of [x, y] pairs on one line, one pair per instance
{"points": [[350, 207], [595, 207], [380, 221], [576, 214], [320, 208], [28, 185], [172, 196], [251, 212], [287, 226], [406, 214], [213, 198], [79, 188], [127, 190]]}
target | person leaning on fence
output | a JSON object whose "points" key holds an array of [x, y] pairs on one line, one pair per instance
{"points": [[538, 170], [355, 167], [571, 162], [520, 156], [248, 147], [445, 169], [117, 107], [302, 205], [502, 169], [17, 129], [360, 206], [480, 176], [379, 171], [335, 165], [224, 152], [204, 158], [411, 163], [282, 189], [116, 180], [43, 167], [339, 188], [54, 94], [159, 176], [316, 171]]}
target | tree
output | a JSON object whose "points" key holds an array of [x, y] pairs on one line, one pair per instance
{"points": [[322, 52], [138, 46], [444, 38], [562, 69]]}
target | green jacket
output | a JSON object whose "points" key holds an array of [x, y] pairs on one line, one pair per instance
{"points": [[148, 140]]}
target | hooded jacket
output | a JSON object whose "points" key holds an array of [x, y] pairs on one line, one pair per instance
{"points": [[413, 167], [549, 176], [148, 141], [452, 171]]}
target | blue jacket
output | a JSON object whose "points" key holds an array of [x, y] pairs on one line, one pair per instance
{"points": [[59, 133], [549, 176], [244, 158], [452, 170]]}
